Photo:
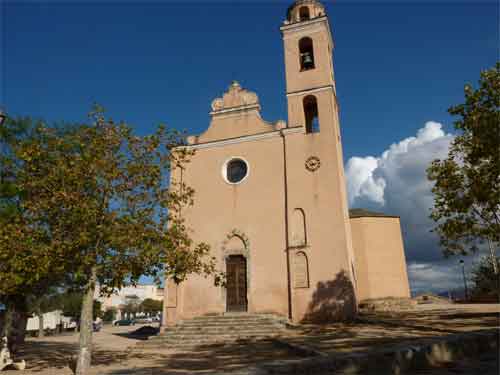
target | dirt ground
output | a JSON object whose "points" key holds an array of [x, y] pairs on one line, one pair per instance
{"points": [[117, 354]]}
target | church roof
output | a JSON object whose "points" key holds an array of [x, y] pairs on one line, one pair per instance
{"points": [[361, 212]]}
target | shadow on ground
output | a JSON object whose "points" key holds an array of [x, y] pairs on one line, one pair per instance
{"points": [[375, 332], [381, 330], [142, 333], [442, 321], [42, 356]]}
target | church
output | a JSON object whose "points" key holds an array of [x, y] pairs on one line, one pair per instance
{"points": [[271, 200]]}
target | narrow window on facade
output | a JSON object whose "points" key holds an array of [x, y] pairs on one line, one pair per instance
{"points": [[306, 54], [304, 14], [298, 228], [311, 114], [300, 271]]}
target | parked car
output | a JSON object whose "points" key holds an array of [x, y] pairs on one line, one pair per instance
{"points": [[124, 322]]}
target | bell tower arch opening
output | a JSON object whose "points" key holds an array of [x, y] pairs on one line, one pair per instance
{"points": [[311, 114], [304, 14], [306, 51]]}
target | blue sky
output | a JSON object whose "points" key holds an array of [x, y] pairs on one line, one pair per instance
{"points": [[398, 64]]}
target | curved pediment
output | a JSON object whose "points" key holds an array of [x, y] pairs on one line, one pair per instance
{"points": [[235, 114], [235, 98]]}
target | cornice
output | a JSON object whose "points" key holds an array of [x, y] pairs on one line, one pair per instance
{"points": [[245, 138], [305, 27]]}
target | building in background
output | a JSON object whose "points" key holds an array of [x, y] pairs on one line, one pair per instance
{"points": [[128, 296]]}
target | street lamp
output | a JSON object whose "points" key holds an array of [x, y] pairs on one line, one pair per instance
{"points": [[465, 280], [3, 116]]}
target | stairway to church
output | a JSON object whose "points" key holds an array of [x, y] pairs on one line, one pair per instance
{"points": [[218, 329]]}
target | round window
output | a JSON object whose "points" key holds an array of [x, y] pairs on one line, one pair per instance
{"points": [[236, 171]]}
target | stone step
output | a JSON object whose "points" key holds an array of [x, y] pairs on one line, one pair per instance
{"points": [[197, 330], [263, 333], [229, 321], [218, 329], [226, 323], [225, 326], [210, 331], [234, 319], [225, 337], [194, 327], [198, 342], [270, 325], [240, 316]]}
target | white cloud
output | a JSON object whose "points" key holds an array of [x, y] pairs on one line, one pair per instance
{"points": [[360, 181], [371, 178]]}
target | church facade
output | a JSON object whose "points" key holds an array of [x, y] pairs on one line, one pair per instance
{"points": [[271, 200]]}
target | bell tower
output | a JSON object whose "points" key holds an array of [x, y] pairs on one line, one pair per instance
{"points": [[316, 197], [310, 84]]}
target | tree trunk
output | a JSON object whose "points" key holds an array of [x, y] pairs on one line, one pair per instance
{"points": [[18, 331], [86, 319], [494, 262], [8, 319], [15, 319], [41, 331], [493, 258]]}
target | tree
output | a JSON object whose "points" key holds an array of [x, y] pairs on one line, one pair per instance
{"points": [[109, 314], [486, 281], [40, 305], [100, 196], [71, 305], [151, 306], [131, 306], [27, 271], [467, 183]]}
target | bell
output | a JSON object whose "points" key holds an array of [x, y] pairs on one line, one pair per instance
{"points": [[307, 61]]}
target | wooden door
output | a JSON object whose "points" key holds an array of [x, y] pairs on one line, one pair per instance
{"points": [[236, 287]]}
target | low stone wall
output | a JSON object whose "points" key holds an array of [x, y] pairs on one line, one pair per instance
{"points": [[397, 360], [431, 298], [387, 304]]}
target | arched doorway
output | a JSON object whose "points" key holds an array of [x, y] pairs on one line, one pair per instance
{"points": [[236, 283]]}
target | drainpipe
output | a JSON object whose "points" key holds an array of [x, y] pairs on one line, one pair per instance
{"points": [[165, 318], [287, 244]]}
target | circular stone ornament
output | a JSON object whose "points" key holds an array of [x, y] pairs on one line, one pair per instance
{"points": [[313, 163]]}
